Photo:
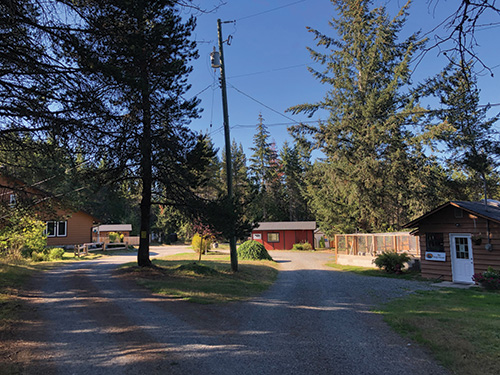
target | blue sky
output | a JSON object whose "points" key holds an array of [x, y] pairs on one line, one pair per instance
{"points": [[267, 60]]}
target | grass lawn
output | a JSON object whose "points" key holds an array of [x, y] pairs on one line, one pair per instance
{"points": [[211, 281], [12, 279], [461, 327], [365, 271]]}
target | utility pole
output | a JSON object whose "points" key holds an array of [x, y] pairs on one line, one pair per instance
{"points": [[232, 238]]}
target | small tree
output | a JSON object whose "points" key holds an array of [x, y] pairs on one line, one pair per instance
{"points": [[21, 235], [206, 233]]}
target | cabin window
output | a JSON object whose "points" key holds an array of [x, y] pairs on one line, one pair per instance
{"points": [[12, 200], [273, 237], [434, 242], [56, 228]]}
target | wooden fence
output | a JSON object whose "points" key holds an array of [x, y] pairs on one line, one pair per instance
{"points": [[372, 244], [97, 246]]}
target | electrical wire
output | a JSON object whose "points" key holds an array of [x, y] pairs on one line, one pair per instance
{"points": [[270, 10], [264, 105], [268, 71]]}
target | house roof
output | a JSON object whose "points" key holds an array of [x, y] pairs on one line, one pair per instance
{"points": [[491, 211], [114, 227], [9, 182], [286, 225]]}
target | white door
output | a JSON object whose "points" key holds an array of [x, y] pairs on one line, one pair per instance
{"points": [[462, 263]]}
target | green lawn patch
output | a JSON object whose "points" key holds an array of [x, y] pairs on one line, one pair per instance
{"points": [[365, 271], [211, 281], [13, 276], [461, 327]]}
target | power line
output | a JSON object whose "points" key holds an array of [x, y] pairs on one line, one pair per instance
{"points": [[268, 71], [270, 10], [275, 124], [264, 105]]}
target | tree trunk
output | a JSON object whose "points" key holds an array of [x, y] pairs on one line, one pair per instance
{"points": [[201, 249], [146, 174]]}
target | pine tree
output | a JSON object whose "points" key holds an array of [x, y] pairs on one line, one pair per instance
{"points": [[243, 187], [472, 150], [293, 183], [134, 56], [370, 153], [260, 161], [266, 172]]}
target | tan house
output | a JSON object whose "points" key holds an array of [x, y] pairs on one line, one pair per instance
{"points": [[64, 226], [459, 239], [100, 233]]}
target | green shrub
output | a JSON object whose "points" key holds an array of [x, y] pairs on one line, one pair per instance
{"points": [[322, 243], [196, 243], [55, 253], [302, 246], [391, 261], [38, 256], [21, 234], [113, 236], [253, 250], [307, 246]]}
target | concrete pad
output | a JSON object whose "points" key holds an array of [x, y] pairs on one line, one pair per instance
{"points": [[449, 284]]}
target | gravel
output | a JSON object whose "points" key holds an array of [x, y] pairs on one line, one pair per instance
{"points": [[313, 320]]}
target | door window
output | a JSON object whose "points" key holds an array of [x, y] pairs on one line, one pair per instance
{"points": [[462, 248]]}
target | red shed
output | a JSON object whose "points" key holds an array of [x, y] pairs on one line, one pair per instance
{"points": [[282, 235]]}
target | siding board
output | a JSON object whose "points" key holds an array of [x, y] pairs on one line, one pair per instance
{"points": [[444, 221]]}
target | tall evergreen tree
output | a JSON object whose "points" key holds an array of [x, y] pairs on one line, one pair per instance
{"points": [[135, 55], [370, 152], [266, 171], [242, 185], [465, 130], [260, 160], [293, 183]]}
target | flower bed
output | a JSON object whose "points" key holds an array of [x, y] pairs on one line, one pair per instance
{"points": [[489, 279]]}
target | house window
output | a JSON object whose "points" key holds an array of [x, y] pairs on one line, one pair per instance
{"points": [[434, 242], [56, 228], [273, 237], [61, 228], [12, 200]]}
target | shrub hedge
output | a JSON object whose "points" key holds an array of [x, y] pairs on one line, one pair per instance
{"points": [[253, 250]]}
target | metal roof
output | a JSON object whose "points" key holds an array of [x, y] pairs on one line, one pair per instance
{"points": [[114, 228], [287, 225], [491, 211]]}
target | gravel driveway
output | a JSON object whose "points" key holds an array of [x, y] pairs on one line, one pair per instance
{"points": [[313, 320]]}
